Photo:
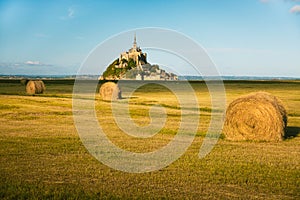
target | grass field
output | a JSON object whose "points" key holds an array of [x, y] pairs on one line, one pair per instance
{"points": [[42, 156]]}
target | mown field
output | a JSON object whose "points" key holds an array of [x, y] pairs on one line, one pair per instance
{"points": [[42, 156]]}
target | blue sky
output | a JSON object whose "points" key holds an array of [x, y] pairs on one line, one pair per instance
{"points": [[243, 37]]}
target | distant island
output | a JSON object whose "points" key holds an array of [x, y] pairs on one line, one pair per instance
{"points": [[133, 65]]}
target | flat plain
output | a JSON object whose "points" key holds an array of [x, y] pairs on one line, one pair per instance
{"points": [[42, 156]]}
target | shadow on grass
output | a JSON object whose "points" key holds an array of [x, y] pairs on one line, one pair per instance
{"points": [[129, 97], [292, 131]]}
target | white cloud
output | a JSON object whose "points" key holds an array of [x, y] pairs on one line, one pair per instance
{"points": [[29, 62], [273, 1], [295, 9], [33, 63], [70, 14]]}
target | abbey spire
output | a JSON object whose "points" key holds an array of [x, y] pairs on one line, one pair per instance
{"points": [[134, 42]]}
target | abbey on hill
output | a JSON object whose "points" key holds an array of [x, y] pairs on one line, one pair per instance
{"points": [[132, 64], [136, 54]]}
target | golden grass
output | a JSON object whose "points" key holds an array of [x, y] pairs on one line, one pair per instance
{"points": [[42, 156]]}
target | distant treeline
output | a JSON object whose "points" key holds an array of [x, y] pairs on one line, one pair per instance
{"points": [[72, 81], [64, 77]]}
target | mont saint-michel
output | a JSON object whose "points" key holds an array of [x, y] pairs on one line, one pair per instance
{"points": [[133, 64]]}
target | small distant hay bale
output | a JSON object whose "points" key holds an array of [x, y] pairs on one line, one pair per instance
{"points": [[110, 91], [256, 117], [35, 87], [24, 81]]}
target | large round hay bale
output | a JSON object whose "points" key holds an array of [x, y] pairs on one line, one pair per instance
{"points": [[256, 117], [35, 87], [110, 91]]}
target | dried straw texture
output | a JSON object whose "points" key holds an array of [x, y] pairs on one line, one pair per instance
{"points": [[110, 91], [256, 117], [35, 87]]}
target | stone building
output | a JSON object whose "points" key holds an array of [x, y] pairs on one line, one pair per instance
{"points": [[136, 54], [142, 70]]}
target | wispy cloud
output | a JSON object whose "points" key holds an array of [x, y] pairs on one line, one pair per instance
{"points": [[29, 62], [32, 63], [273, 1], [269, 1], [295, 9], [69, 15], [71, 12]]}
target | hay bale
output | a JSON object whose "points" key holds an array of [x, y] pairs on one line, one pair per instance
{"points": [[257, 117], [35, 87], [24, 81], [110, 91]]}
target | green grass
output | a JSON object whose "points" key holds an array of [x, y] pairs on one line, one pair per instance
{"points": [[41, 154]]}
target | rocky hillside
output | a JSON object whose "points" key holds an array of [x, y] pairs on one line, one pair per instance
{"points": [[115, 72]]}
